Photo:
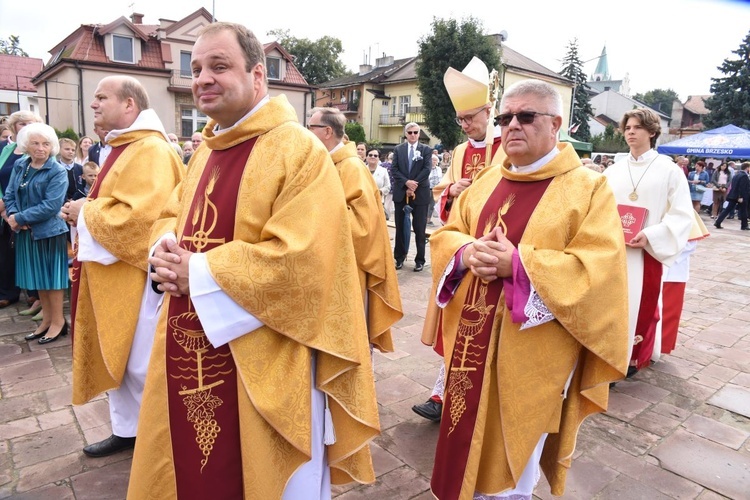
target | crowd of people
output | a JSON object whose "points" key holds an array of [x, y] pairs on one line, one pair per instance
{"points": [[235, 371]]}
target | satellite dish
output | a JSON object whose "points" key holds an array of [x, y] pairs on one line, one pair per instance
{"points": [[503, 36]]}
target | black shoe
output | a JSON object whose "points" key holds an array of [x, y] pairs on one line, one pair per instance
{"points": [[47, 340], [431, 410], [113, 444], [632, 370], [730, 217], [399, 265], [718, 226], [745, 228], [34, 336], [418, 268]]}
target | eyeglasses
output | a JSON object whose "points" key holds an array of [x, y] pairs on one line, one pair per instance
{"points": [[413, 132], [373, 156], [315, 125], [469, 119], [524, 117]]}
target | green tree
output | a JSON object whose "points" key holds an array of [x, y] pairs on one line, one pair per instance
{"points": [[572, 69], [611, 141], [12, 46], [451, 44], [355, 131], [68, 132], [730, 99], [317, 60], [659, 99]]}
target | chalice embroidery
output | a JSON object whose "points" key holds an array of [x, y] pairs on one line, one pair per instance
{"points": [[473, 318], [188, 333]]}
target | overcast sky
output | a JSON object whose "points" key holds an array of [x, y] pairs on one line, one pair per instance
{"points": [[675, 44]]}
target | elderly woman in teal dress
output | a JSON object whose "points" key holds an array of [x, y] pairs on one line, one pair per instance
{"points": [[33, 199]]}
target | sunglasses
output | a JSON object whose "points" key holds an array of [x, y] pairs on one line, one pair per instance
{"points": [[524, 117], [413, 132], [374, 156]]}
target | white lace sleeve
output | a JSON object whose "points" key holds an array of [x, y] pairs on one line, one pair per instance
{"points": [[535, 310]]}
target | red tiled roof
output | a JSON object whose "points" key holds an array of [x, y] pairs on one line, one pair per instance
{"points": [[87, 45], [697, 104], [12, 66], [292, 75]]}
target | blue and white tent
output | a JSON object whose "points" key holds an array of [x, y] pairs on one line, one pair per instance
{"points": [[723, 142]]}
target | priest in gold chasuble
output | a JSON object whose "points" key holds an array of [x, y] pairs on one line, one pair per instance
{"points": [[530, 273], [372, 245], [113, 310], [260, 383]]}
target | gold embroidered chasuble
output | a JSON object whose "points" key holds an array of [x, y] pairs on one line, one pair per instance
{"points": [[291, 265], [372, 246], [466, 162], [574, 255], [130, 198]]}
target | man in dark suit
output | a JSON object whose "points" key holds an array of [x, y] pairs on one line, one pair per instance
{"points": [[411, 185], [738, 196], [98, 152]]}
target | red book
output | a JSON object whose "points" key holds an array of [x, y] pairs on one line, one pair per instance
{"points": [[633, 219]]}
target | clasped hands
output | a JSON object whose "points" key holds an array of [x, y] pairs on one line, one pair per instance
{"points": [[411, 188], [69, 212], [490, 257], [170, 268]]}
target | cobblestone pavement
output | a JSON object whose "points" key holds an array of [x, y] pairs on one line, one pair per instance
{"points": [[679, 429]]}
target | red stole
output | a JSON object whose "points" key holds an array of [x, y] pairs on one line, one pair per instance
{"points": [[673, 298], [75, 274], [472, 163], [201, 379], [475, 160], [648, 312], [467, 383]]}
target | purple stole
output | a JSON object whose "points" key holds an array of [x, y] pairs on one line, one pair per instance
{"points": [[75, 274], [201, 379], [509, 206]]}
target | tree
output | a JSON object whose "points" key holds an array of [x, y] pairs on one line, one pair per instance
{"points": [[12, 46], [451, 44], [730, 99], [611, 141], [573, 70], [355, 131], [318, 60], [659, 99], [68, 133]]}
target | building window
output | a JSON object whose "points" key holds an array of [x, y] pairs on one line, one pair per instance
{"points": [[123, 50], [192, 120], [7, 108], [185, 70], [274, 68], [403, 104]]}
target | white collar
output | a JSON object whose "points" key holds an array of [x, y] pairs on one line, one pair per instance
{"points": [[218, 130], [496, 132], [146, 120], [533, 167]]}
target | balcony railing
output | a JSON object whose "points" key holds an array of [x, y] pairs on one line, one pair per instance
{"points": [[346, 107], [413, 114], [181, 79]]}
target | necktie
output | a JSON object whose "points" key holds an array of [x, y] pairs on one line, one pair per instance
{"points": [[411, 156]]}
